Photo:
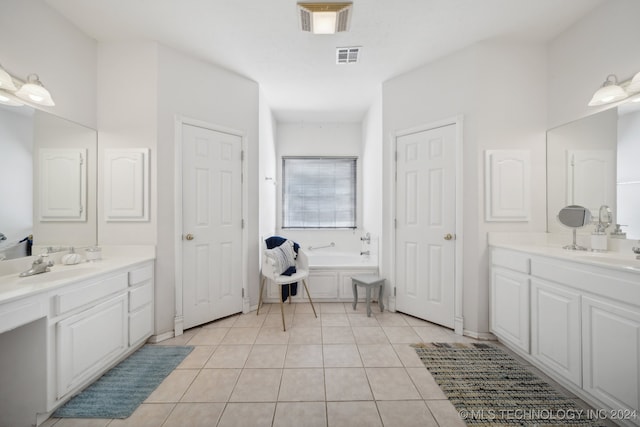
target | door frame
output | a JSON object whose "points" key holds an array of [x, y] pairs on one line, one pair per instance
{"points": [[179, 121], [457, 121]]}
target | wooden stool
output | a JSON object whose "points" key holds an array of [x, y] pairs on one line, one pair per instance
{"points": [[368, 281]]}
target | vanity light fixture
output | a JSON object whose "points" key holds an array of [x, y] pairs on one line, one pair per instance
{"points": [[6, 81], [4, 99], [324, 18], [634, 85], [35, 92], [609, 92]]}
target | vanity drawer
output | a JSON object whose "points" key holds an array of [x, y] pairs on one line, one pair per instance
{"points": [[88, 293], [141, 274], [140, 296], [512, 260], [21, 312]]}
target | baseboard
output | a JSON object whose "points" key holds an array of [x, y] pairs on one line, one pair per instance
{"points": [[484, 336], [154, 339]]}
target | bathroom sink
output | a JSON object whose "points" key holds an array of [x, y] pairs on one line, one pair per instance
{"points": [[59, 274]]}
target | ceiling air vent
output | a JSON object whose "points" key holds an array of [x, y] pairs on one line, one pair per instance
{"points": [[347, 55], [324, 18]]}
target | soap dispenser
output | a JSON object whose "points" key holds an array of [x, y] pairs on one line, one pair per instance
{"points": [[617, 232]]}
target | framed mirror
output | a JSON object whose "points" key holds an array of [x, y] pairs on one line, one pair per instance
{"points": [[590, 162], [24, 133]]}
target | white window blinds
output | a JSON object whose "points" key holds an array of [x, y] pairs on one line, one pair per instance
{"points": [[319, 192]]}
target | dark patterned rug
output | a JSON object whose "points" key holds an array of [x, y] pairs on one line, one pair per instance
{"points": [[489, 387]]}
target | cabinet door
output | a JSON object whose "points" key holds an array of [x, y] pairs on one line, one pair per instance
{"points": [[555, 329], [509, 309], [87, 342], [63, 183], [611, 353]]}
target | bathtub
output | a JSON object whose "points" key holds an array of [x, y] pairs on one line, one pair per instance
{"points": [[340, 260], [330, 273]]}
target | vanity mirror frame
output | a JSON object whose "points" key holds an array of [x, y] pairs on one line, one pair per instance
{"points": [[49, 131], [588, 141]]}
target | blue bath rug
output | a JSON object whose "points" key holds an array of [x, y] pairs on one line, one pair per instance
{"points": [[123, 388]]}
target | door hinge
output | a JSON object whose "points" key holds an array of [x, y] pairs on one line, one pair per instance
{"points": [[242, 223], [394, 291], [242, 292], [396, 155], [242, 155], [81, 159], [395, 223]]}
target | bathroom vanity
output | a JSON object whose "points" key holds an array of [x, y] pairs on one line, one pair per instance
{"points": [[61, 330], [573, 314]]}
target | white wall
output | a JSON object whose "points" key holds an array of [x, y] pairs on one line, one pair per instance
{"points": [[604, 42], [321, 139], [479, 83], [174, 84], [267, 168], [16, 174], [220, 97], [372, 168], [36, 39], [127, 117]]}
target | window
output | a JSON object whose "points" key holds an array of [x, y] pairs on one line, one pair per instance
{"points": [[319, 192]]}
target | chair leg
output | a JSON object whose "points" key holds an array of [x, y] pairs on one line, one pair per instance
{"points": [[284, 328], [260, 296], [304, 282]]}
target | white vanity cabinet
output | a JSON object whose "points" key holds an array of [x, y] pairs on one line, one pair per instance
{"points": [[140, 304], [94, 323], [611, 352], [577, 321], [555, 328], [509, 298], [88, 341]]}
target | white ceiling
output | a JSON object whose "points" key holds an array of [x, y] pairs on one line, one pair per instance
{"points": [[296, 71]]}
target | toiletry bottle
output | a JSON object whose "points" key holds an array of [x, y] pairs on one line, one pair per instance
{"points": [[599, 238]]}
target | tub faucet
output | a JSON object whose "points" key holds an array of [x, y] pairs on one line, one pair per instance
{"points": [[365, 253], [38, 266], [636, 250], [366, 238]]}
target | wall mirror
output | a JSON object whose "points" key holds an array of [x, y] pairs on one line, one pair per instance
{"points": [[590, 162], [24, 133]]}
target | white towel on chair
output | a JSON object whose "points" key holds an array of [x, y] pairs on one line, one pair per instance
{"points": [[283, 256]]}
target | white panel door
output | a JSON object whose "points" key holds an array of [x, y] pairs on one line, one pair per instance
{"points": [[212, 224], [425, 224]]}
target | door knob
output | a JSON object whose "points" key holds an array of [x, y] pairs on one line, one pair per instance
{"points": [[189, 236], [448, 236]]}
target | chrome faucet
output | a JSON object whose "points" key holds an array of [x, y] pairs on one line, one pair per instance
{"points": [[365, 253], [366, 238], [39, 266]]}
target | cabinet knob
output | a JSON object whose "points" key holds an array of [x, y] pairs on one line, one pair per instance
{"points": [[189, 236]]}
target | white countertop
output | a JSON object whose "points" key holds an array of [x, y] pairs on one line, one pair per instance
{"points": [[13, 287], [619, 257]]}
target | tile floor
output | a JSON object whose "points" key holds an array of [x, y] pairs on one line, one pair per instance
{"points": [[341, 369]]}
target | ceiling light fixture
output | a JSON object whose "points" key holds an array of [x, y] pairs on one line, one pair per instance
{"points": [[609, 92], [324, 18], [34, 91]]}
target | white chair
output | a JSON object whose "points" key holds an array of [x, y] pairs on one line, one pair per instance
{"points": [[301, 274]]}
